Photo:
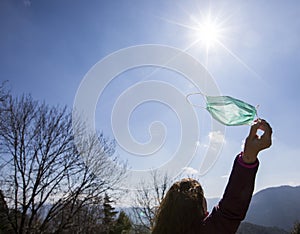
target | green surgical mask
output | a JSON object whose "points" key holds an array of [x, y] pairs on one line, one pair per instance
{"points": [[229, 111]]}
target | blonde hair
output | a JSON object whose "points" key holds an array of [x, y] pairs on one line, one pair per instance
{"points": [[181, 211]]}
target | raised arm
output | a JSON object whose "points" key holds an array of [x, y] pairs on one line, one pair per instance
{"points": [[232, 208]]}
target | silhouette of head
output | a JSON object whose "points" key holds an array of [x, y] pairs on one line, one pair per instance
{"points": [[182, 209]]}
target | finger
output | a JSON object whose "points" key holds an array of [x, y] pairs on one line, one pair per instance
{"points": [[253, 130], [267, 136], [265, 126]]}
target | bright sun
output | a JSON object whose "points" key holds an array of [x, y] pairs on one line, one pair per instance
{"points": [[208, 32]]}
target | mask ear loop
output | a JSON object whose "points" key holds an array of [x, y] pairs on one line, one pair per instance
{"points": [[192, 104], [257, 116]]}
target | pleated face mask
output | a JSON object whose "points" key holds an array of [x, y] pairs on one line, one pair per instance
{"points": [[228, 110]]}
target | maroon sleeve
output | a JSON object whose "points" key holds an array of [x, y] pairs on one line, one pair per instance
{"points": [[232, 209]]}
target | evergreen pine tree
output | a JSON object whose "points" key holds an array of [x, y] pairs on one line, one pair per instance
{"points": [[296, 229], [5, 226], [123, 224], [109, 214]]}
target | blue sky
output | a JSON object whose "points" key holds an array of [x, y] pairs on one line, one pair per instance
{"points": [[47, 47]]}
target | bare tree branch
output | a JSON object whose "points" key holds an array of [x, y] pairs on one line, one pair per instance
{"points": [[40, 165], [148, 197]]}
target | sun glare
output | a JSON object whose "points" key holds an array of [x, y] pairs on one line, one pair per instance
{"points": [[208, 33]]}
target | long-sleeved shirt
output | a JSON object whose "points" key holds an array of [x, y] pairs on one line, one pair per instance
{"points": [[231, 210]]}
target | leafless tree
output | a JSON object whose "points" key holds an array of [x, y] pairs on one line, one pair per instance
{"points": [[147, 198], [4, 94], [42, 174]]}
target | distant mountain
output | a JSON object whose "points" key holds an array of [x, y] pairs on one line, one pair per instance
{"points": [[276, 206], [249, 228], [273, 210], [271, 207]]}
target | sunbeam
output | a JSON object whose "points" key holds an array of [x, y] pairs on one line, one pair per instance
{"points": [[239, 59], [209, 32]]}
